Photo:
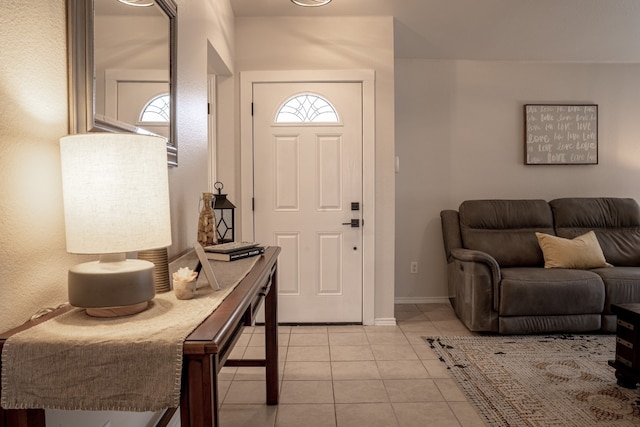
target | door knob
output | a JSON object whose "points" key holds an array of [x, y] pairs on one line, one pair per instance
{"points": [[354, 223]]}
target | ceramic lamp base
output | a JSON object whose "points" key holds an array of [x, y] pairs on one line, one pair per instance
{"points": [[120, 287]]}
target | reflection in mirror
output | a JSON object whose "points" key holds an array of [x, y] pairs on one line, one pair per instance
{"points": [[122, 61]]}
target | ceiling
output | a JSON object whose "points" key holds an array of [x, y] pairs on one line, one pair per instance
{"points": [[536, 30]]}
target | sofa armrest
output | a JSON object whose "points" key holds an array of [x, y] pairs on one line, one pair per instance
{"points": [[451, 237], [470, 255]]}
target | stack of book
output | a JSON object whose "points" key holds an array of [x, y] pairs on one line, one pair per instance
{"points": [[233, 251]]}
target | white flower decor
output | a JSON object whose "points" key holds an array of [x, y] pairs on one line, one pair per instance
{"points": [[184, 284], [184, 274]]}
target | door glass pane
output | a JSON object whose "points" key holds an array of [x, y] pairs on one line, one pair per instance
{"points": [[307, 108]]}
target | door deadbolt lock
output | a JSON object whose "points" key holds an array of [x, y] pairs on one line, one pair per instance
{"points": [[354, 223]]}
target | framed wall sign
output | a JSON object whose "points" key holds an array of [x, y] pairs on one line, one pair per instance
{"points": [[561, 134]]}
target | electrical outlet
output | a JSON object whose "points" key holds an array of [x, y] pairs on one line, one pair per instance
{"points": [[414, 267]]}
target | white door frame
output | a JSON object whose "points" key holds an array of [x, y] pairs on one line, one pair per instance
{"points": [[367, 78], [212, 133]]}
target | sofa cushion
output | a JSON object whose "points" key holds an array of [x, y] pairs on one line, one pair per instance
{"points": [[550, 291], [581, 252], [505, 229], [622, 285], [615, 221]]}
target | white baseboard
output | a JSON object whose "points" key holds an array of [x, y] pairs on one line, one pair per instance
{"points": [[422, 300], [385, 321]]}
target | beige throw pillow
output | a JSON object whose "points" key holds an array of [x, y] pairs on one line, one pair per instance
{"points": [[582, 252]]}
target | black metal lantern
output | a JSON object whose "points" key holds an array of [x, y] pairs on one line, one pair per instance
{"points": [[225, 215]]}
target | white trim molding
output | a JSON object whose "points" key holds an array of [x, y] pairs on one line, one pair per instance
{"points": [[385, 321], [422, 300]]}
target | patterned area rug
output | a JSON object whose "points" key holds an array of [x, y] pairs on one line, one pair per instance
{"points": [[556, 380]]}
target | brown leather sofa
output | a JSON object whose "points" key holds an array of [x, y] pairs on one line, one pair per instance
{"points": [[496, 274]]}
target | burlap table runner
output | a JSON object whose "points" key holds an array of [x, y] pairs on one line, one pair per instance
{"points": [[133, 363]]}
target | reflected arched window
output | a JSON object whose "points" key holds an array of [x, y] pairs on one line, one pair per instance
{"points": [[307, 108], [157, 109]]}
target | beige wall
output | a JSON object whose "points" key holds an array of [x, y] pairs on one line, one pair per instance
{"points": [[33, 116], [33, 89], [460, 136], [305, 43], [33, 80], [203, 25]]}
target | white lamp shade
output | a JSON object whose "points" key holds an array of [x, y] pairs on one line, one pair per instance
{"points": [[116, 192]]}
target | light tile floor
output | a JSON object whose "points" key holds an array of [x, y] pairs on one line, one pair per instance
{"points": [[351, 376]]}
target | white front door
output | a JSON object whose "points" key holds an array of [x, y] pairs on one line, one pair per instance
{"points": [[308, 149]]}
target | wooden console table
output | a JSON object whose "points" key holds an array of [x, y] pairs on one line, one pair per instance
{"points": [[205, 351]]}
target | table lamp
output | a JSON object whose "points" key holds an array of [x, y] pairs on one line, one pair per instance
{"points": [[116, 200]]}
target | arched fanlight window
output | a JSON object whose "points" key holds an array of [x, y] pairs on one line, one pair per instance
{"points": [[157, 109], [307, 108]]}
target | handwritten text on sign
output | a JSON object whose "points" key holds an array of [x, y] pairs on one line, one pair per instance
{"points": [[561, 134]]}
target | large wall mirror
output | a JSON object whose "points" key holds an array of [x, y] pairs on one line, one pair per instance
{"points": [[122, 68]]}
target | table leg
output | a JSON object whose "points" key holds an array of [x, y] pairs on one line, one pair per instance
{"points": [[271, 340], [199, 400], [625, 380], [22, 418]]}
